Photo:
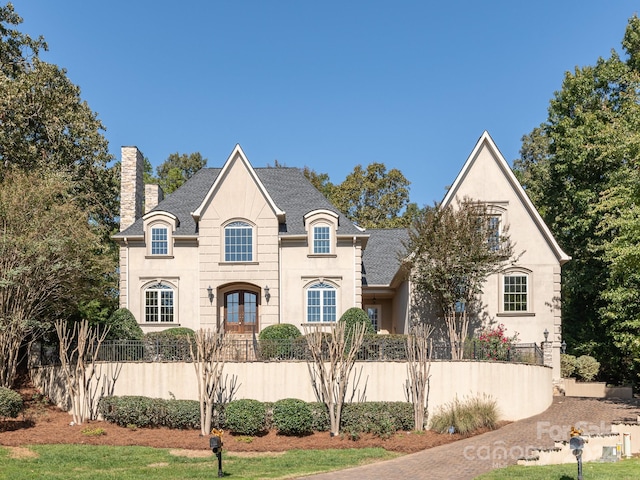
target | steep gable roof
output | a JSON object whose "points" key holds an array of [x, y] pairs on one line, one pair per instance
{"points": [[381, 258], [486, 142], [289, 192]]}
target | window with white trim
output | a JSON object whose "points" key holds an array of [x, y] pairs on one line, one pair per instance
{"points": [[321, 303], [321, 239], [158, 304], [159, 240], [515, 291], [494, 227], [238, 242]]}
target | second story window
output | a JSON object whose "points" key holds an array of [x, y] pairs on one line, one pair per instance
{"points": [[321, 239], [321, 303], [159, 241], [238, 242], [494, 232]]}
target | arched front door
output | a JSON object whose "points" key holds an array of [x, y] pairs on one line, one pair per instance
{"points": [[241, 311]]}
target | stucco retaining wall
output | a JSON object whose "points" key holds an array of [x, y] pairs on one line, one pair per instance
{"points": [[520, 390]]}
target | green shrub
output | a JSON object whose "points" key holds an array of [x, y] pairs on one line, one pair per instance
{"points": [[466, 416], [123, 326], [138, 411], [245, 417], [355, 316], [587, 368], [10, 403], [380, 418], [276, 341], [320, 417], [292, 417], [567, 365], [172, 344]]}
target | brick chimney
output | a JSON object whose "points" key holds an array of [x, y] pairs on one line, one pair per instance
{"points": [[153, 195], [131, 186]]}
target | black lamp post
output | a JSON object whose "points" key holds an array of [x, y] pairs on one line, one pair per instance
{"points": [[546, 335], [215, 443], [563, 347], [576, 444]]}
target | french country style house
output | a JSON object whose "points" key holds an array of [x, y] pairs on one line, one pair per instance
{"points": [[240, 248]]}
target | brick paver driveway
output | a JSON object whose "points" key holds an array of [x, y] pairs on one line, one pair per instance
{"points": [[466, 459]]}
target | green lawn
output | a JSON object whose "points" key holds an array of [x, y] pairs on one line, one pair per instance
{"points": [[70, 462], [623, 470]]}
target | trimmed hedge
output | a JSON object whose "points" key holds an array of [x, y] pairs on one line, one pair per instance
{"points": [[10, 403], [292, 417], [246, 417], [277, 341], [150, 412], [380, 418], [123, 326], [355, 316]]}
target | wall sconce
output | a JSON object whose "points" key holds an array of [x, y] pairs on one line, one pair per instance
{"points": [[267, 295], [210, 294], [546, 335]]}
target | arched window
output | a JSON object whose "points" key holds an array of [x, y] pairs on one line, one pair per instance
{"points": [[321, 303], [158, 304], [238, 242]]}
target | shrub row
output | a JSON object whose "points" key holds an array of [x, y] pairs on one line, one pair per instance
{"points": [[10, 403], [140, 411], [584, 367]]}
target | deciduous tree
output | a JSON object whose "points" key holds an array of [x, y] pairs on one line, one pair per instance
{"points": [[177, 169]]}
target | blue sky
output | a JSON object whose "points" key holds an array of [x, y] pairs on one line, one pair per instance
{"points": [[326, 84]]}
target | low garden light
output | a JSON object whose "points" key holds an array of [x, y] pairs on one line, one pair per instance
{"points": [[215, 443], [576, 444]]}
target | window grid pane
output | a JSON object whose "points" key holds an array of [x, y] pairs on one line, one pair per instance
{"points": [[238, 242], [373, 316], [158, 304], [321, 240], [321, 303], [159, 244], [494, 233], [515, 293]]}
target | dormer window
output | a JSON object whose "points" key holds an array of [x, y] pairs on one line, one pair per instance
{"points": [[238, 242], [321, 239], [159, 240]]}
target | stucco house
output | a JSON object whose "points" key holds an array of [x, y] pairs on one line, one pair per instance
{"points": [[241, 248]]}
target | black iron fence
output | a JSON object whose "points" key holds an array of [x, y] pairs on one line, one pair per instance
{"points": [[379, 348]]}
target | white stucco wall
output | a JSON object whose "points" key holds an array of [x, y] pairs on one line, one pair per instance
{"points": [[520, 390]]}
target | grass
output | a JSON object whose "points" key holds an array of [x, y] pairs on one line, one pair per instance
{"points": [[622, 470], [71, 462]]}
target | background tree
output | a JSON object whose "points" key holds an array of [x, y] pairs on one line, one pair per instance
{"points": [[450, 256], [177, 169], [51, 259], [576, 167]]}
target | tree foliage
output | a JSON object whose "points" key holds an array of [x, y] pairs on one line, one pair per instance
{"points": [[450, 255], [579, 168], [371, 197], [177, 169], [51, 258]]}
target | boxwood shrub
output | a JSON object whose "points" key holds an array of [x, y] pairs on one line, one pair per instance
{"points": [[246, 417], [169, 345], [320, 416], [150, 412], [277, 341], [380, 418], [10, 403], [292, 416]]}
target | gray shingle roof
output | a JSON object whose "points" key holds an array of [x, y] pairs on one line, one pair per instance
{"points": [[288, 187], [381, 259]]}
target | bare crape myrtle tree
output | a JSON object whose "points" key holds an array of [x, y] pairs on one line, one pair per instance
{"points": [[79, 348], [208, 361], [333, 356], [418, 346]]}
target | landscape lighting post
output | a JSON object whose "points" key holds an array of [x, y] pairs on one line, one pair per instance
{"points": [[215, 443], [576, 444]]}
